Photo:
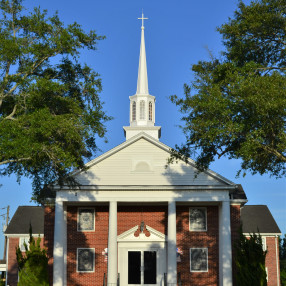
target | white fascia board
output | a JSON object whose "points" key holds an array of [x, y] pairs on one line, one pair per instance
{"points": [[158, 144], [238, 202], [261, 234], [3, 267], [142, 196], [24, 235], [148, 187]]}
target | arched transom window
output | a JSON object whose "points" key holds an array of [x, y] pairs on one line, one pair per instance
{"points": [[133, 111], [142, 109], [150, 111]]}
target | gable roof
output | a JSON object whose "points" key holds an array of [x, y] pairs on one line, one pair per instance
{"points": [[23, 217], [119, 163], [258, 218]]}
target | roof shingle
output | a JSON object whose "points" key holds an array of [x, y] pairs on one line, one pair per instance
{"points": [[258, 218], [23, 217]]}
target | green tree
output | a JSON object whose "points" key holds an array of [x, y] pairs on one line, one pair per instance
{"points": [[282, 256], [33, 265], [50, 110], [250, 261], [236, 106]]}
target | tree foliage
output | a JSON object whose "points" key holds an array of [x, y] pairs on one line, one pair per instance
{"points": [[236, 106], [33, 265], [250, 261], [50, 110]]}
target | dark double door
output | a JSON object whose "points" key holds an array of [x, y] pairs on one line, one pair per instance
{"points": [[142, 267]]}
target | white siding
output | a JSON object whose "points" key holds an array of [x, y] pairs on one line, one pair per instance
{"points": [[143, 163]]}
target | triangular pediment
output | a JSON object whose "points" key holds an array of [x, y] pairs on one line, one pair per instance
{"points": [[150, 234], [142, 162]]}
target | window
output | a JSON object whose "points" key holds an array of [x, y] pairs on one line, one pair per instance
{"points": [[23, 240], [85, 259], [266, 270], [142, 109], [198, 219], [133, 111], [85, 219], [198, 259], [264, 246], [150, 111]]}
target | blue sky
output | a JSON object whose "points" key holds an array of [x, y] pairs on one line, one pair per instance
{"points": [[178, 34]]}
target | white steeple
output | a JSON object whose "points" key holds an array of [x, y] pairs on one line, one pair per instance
{"points": [[142, 104], [142, 82]]}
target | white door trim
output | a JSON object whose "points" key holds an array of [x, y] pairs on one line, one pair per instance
{"points": [[156, 241]]}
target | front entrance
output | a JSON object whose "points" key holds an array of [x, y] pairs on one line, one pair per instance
{"points": [[142, 267], [141, 259]]}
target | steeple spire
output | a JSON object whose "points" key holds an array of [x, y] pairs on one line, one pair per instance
{"points": [[142, 104], [142, 81]]}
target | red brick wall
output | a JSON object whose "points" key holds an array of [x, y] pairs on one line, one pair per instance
{"points": [[95, 239], [128, 217], [197, 239], [235, 224], [270, 261], [49, 223], [12, 278]]}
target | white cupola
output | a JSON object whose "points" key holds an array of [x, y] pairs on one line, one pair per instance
{"points": [[142, 104]]}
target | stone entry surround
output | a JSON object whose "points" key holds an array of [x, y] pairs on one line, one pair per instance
{"points": [[172, 200]]}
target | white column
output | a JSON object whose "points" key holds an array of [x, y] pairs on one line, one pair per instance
{"points": [[59, 245], [112, 245], [225, 248], [172, 253]]}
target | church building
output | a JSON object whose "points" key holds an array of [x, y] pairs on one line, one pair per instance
{"points": [[134, 221]]}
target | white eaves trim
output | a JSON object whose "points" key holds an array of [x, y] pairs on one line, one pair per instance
{"points": [[158, 144], [262, 234], [24, 235], [150, 187]]}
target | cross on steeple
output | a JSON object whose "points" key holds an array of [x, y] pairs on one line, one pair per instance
{"points": [[142, 20]]}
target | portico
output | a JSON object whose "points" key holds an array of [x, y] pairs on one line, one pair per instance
{"points": [[118, 245]]}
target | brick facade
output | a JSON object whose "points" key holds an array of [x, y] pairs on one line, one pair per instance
{"points": [[12, 277], [272, 245], [128, 217]]}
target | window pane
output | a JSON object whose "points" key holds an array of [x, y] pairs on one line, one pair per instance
{"points": [[199, 259], [142, 109], [134, 111], [150, 267], [198, 219], [150, 111], [134, 265]]}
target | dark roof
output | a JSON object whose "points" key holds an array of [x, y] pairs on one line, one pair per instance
{"points": [[23, 217], [258, 218], [2, 261], [239, 193]]}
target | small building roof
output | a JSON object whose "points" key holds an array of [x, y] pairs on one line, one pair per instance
{"points": [[258, 219], [239, 193], [23, 217]]}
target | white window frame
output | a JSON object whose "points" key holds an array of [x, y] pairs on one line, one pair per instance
{"points": [[206, 218], [206, 249], [82, 208], [21, 243], [264, 245], [93, 259], [266, 270]]}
